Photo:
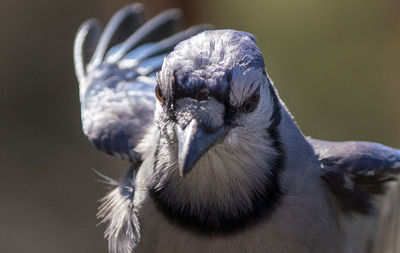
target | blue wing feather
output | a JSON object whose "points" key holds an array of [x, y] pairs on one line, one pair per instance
{"points": [[355, 171], [116, 81], [358, 158]]}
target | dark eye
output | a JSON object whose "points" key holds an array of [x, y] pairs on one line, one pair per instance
{"points": [[251, 103], [159, 94]]}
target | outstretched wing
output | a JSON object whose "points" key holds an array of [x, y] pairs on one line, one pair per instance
{"points": [[116, 70], [364, 159], [354, 170]]}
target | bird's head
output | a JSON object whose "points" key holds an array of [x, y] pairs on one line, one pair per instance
{"points": [[217, 117], [213, 92]]}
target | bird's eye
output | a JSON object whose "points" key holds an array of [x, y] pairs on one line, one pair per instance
{"points": [[159, 94], [251, 103]]}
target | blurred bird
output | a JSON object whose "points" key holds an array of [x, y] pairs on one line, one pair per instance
{"points": [[217, 163]]}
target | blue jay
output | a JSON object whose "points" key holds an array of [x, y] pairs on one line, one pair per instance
{"points": [[217, 162]]}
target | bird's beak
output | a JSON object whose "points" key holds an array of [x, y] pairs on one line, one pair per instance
{"points": [[194, 142]]}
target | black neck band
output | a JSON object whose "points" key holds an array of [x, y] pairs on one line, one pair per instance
{"points": [[213, 222]]}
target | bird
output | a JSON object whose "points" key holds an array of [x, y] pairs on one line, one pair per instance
{"points": [[216, 162]]}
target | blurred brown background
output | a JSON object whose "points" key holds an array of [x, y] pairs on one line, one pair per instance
{"points": [[335, 63]]}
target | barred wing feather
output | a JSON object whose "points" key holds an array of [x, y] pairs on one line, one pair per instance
{"points": [[116, 71]]}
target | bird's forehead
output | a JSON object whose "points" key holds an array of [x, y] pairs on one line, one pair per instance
{"points": [[202, 66]]}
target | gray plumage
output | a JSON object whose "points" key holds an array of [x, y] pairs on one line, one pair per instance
{"points": [[217, 163]]}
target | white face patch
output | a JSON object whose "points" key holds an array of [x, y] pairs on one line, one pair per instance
{"points": [[230, 172], [245, 86], [244, 83]]}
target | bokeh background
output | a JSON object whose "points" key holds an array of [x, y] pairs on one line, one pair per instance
{"points": [[335, 64]]}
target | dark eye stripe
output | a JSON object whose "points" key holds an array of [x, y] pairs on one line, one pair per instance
{"points": [[247, 107], [251, 103]]}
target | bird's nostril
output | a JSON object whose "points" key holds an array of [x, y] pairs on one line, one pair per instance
{"points": [[207, 125]]}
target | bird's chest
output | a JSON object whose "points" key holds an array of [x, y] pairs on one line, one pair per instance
{"points": [[280, 233]]}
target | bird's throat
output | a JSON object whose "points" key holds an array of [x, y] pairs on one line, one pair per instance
{"points": [[226, 191]]}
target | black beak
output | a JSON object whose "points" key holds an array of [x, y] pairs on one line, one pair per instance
{"points": [[194, 142]]}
